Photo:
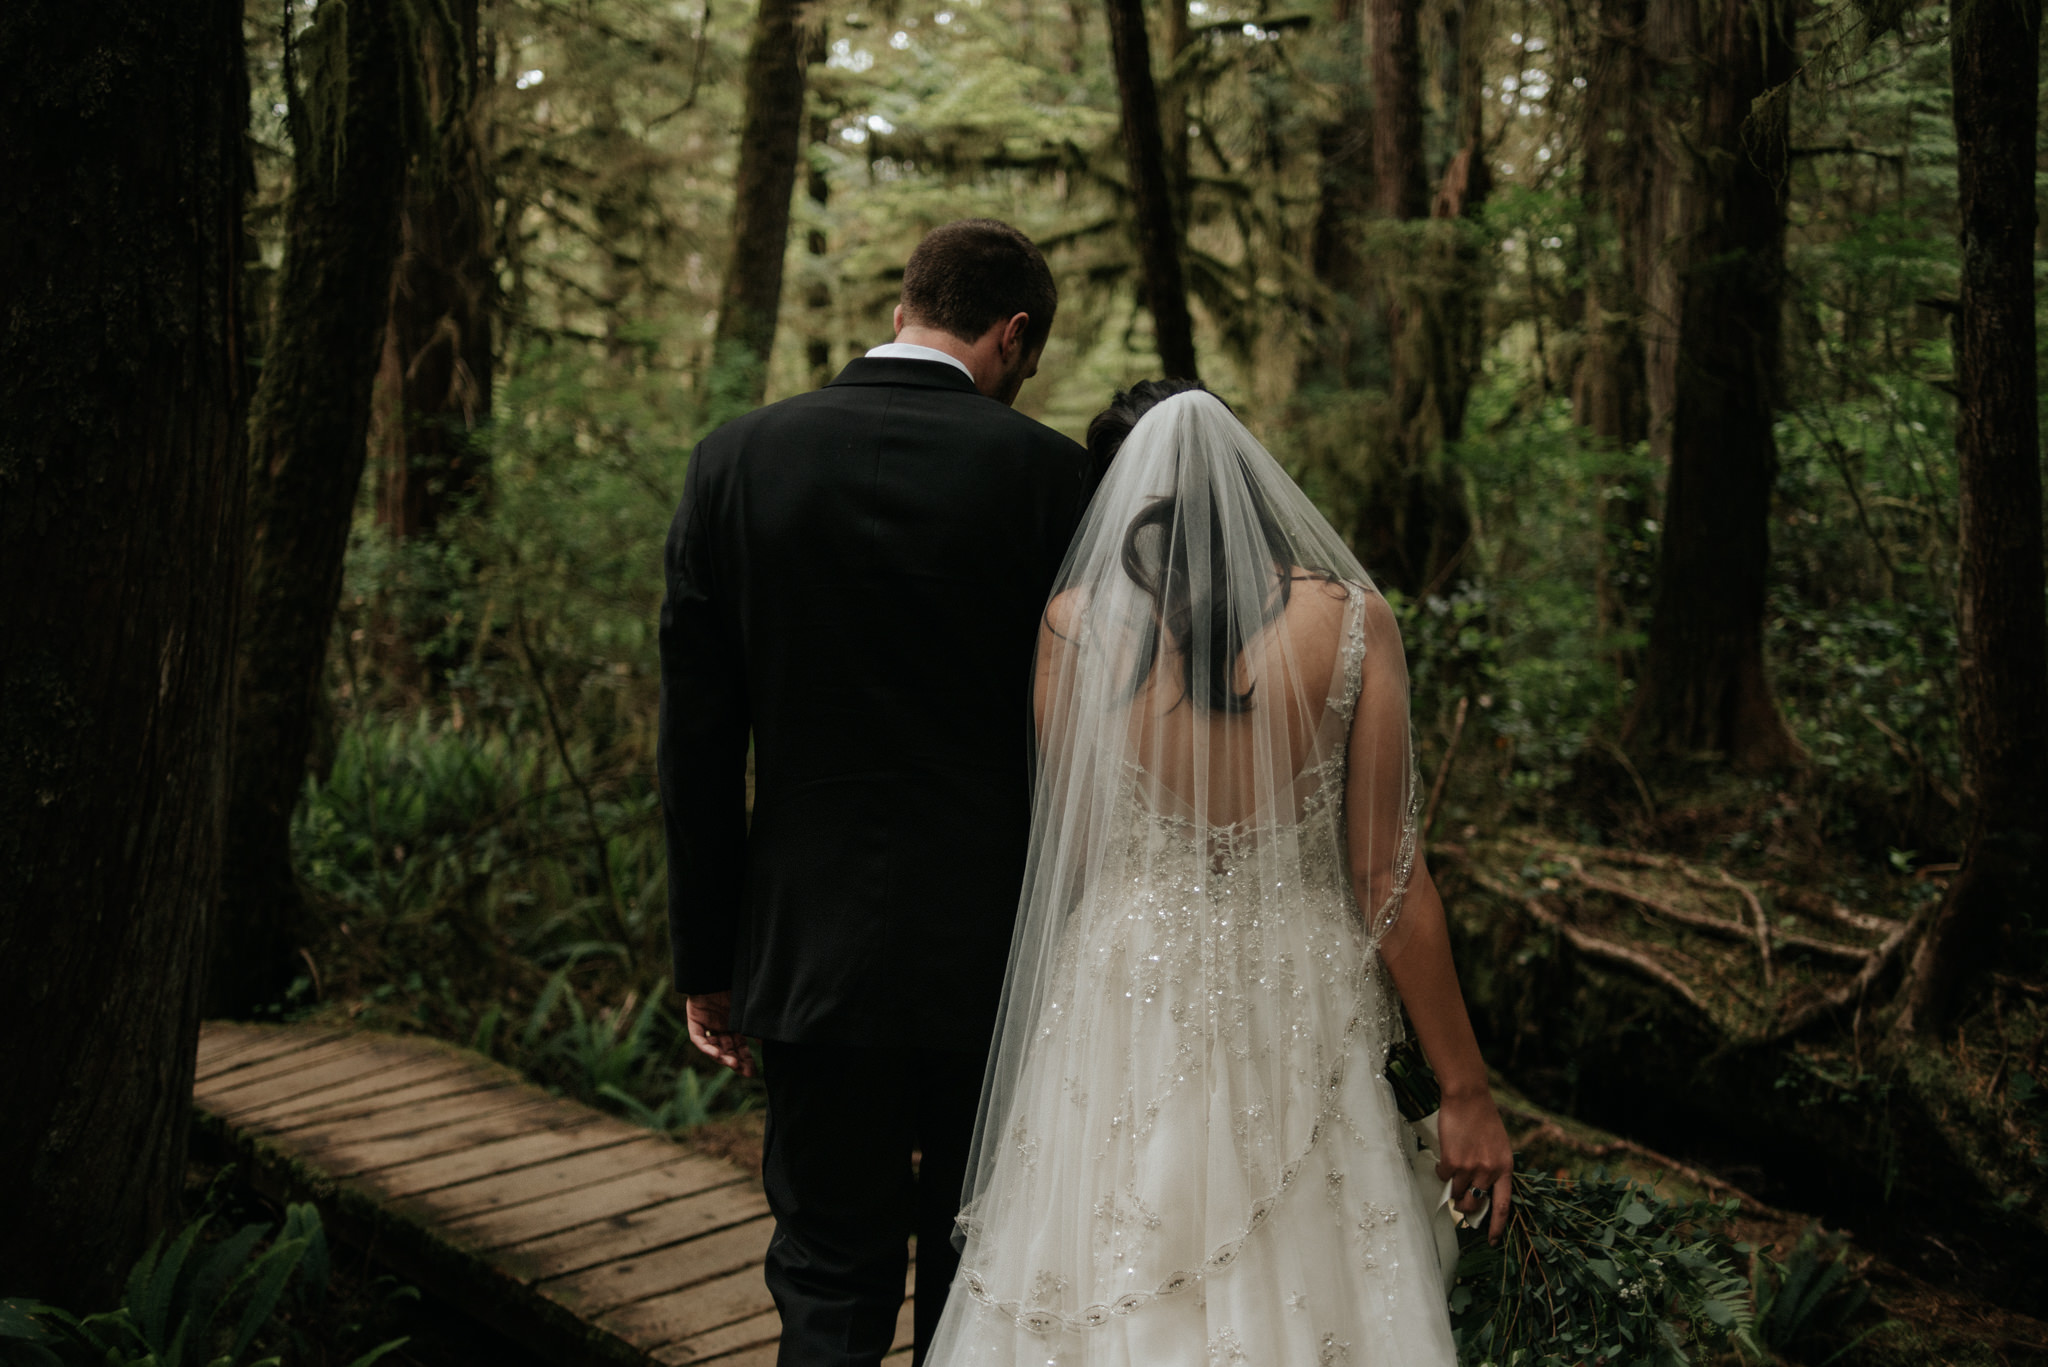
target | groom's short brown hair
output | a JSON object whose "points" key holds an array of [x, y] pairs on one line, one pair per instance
{"points": [[971, 274]]}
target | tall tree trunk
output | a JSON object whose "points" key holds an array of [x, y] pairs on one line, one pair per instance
{"points": [[434, 385], [1609, 398], [770, 143], [1344, 197], [122, 477], [1994, 57], [1704, 687], [1400, 182], [1153, 215], [1173, 106], [1414, 525], [1670, 37], [1610, 391], [818, 188], [308, 435]]}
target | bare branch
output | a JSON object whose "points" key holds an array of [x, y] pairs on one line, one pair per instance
{"points": [[1592, 945]]}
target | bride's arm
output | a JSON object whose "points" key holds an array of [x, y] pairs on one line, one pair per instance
{"points": [[1052, 668], [1416, 947]]}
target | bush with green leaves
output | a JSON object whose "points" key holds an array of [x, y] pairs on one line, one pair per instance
{"points": [[1808, 1305], [687, 1107], [595, 1051], [185, 1305], [621, 1056], [410, 817], [1600, 1271]]}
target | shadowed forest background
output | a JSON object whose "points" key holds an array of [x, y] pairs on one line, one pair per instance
{"points": [[1633, 344]]}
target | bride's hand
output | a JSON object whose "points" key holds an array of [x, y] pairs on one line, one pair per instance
{"points": [[1476, 1156]]}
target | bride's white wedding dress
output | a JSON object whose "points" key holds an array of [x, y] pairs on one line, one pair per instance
{"points": [[1189, 1156]]}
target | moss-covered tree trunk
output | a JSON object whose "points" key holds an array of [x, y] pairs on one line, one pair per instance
{"points": [[1704, 688], [1153, 217], [1340, 355], [771, 139], [1610, 389], [308, 437], [1414, 525], [122, 476], [1173, 105], [434, 385], [1400, 181], [2003, 666]]}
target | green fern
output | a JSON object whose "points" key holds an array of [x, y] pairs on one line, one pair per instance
{"points": [[179, 1301], [1805, 1306]]}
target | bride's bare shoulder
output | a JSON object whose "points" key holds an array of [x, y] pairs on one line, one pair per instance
{"points": [[1063, 613], [1318, 604]]}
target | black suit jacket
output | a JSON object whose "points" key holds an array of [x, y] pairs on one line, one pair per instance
{"points": [[855, 577]]}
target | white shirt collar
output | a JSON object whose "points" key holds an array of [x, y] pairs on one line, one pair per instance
{"points": [[911, 351]]}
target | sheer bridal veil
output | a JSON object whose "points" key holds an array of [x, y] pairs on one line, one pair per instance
{"points": [[1222, 828]]}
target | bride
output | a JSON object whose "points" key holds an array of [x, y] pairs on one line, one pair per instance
{"points": [[1187, 1155]]}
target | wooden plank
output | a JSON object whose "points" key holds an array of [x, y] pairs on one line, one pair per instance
{"points": [[766, 1329], [906, 1325], [392, 1122], [222, 1041], [628, 1236], [316, 1079], [662, 1270], [575, 1210], [347, 1153], [545, 1179], [476, 1147], [695, 1310], [754, 1332], [409, 1084], [275, 1045], [268, 1057], [293, 1075], [764, 1356], [679, 1176]]}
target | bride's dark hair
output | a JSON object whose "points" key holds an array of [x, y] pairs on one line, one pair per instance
{"points": [[1156, 557]]}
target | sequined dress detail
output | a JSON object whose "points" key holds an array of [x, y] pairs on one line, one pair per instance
{"points": [[1204, 1165]]}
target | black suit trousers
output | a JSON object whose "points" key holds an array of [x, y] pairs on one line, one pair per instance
{"points": [[843, 1125]]}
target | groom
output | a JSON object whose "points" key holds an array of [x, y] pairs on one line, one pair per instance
{"points": [[854, 583]]}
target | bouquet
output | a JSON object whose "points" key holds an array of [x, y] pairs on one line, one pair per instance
{"points": [[1593, 1270]]}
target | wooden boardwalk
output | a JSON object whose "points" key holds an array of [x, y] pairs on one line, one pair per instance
{"points": [[580, 1235]]}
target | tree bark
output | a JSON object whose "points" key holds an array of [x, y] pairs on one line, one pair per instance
{"points": [[1344, 198], [1414, 524], [308, 435], [122, 478], [818, 189], [1610, 389], [1173, 107], [771, 140], [434, 383], [1704, 687], [2002, 672], [1609, 398], [1400, 182], [1153, 216]]}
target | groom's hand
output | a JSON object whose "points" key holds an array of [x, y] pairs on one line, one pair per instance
{"points": [[710, 1018]]}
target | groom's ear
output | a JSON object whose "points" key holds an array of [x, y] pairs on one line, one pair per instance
{"points": [[1014, 332], [899, 318]]}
